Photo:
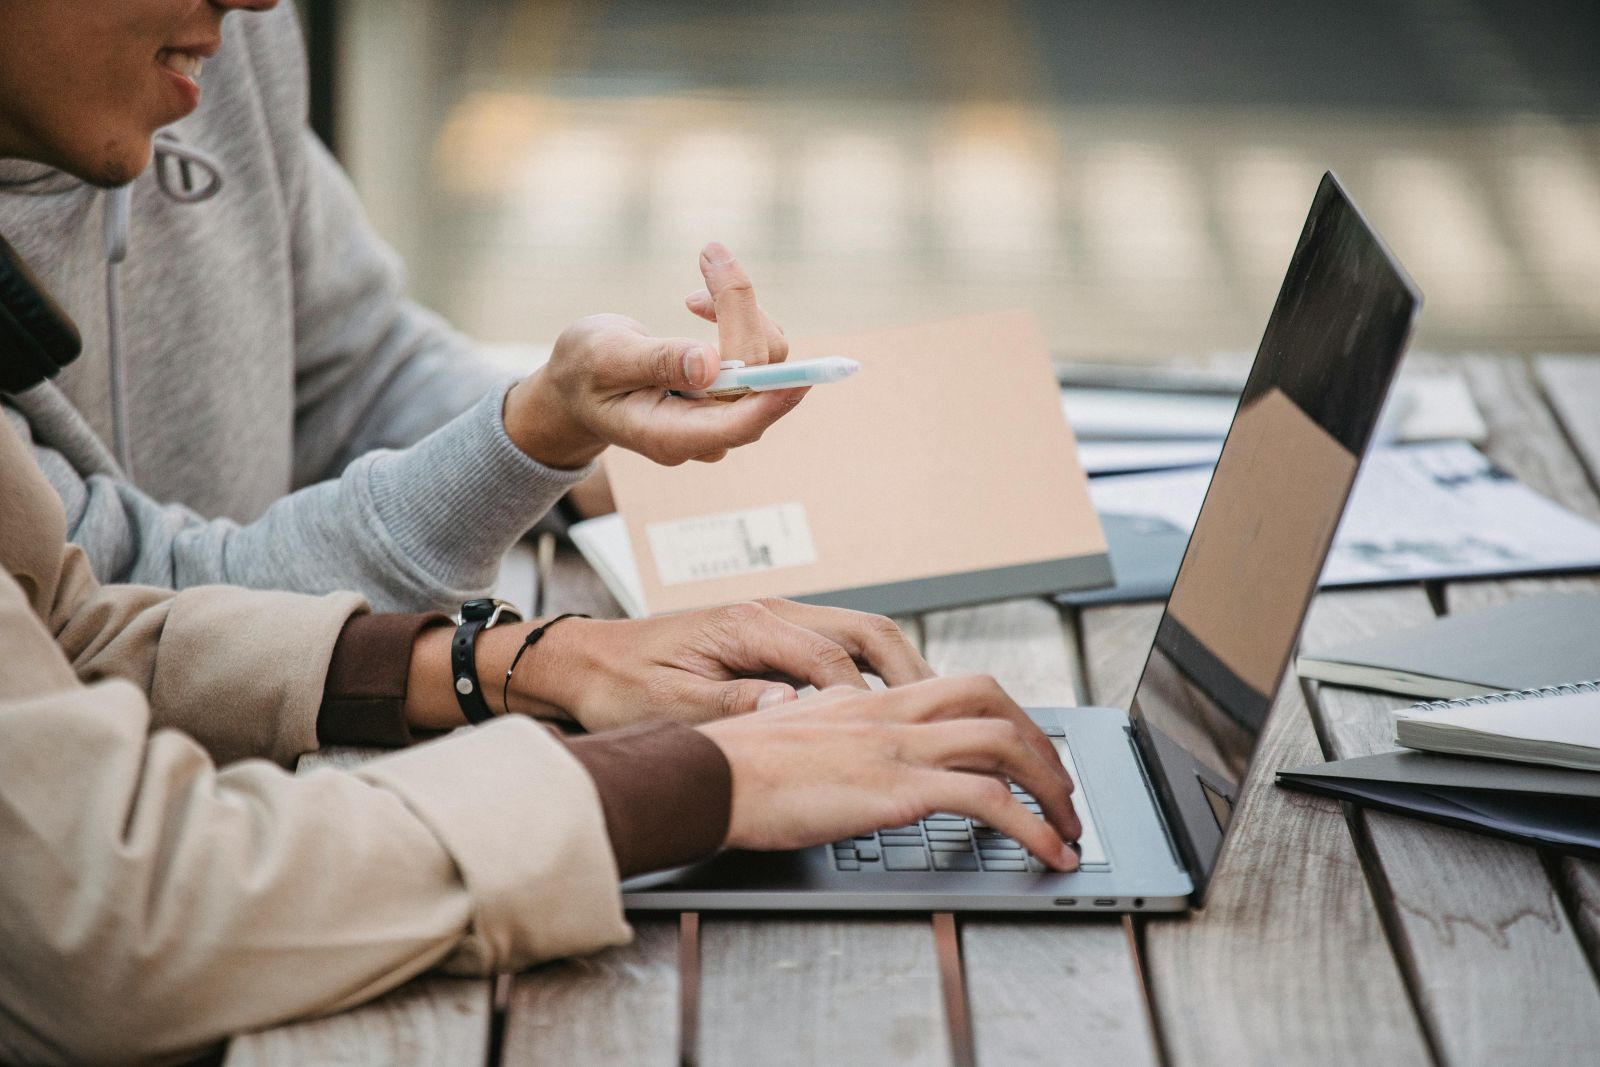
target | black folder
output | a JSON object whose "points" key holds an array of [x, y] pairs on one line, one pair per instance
{"points": [[1549, 806]]}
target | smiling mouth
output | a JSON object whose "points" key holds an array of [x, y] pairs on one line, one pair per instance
{"points": [[184, 63]]}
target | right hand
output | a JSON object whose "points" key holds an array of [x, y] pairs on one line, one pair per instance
{"points": [[847, 762], [608, 381]]}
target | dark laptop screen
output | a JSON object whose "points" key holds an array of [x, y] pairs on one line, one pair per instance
{"points": [[1313, 397]]}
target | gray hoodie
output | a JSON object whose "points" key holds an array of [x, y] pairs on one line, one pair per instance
{"points": [[256, 403]]}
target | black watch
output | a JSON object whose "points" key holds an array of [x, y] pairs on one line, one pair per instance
{"points": [[476, 615]]}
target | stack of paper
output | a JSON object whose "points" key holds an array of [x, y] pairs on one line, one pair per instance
{"points": [[1138, 426], [1417, 512]]}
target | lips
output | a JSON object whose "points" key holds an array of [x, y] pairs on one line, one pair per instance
{"points": [[180, 67], [187, 64]]}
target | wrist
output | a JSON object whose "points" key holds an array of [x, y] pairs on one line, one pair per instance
{"points": [[551, 675], [539, 424]]}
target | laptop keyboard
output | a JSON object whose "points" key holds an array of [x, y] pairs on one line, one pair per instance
{"points": [[948, 842]]}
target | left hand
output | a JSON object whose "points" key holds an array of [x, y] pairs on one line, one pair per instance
{"points": [[702, 665]]}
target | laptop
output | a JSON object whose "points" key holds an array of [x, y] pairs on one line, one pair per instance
{"points": [[1158, 781]]}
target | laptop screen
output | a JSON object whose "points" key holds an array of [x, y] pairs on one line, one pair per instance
{"points": [[1307, 412]]}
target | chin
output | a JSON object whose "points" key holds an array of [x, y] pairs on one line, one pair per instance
{"points": [[105, 161], [115, 168]]}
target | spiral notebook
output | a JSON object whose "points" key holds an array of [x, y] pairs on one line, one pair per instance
{"points": [[1556, 726]]}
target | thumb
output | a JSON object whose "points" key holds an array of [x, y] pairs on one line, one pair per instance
{"points": [[671, 363], [750, 694]]}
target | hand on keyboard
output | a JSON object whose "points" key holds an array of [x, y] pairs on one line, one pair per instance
{"points": [[847, 762]]}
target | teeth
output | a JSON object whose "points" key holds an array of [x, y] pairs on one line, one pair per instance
{"points": [[182, 62]]}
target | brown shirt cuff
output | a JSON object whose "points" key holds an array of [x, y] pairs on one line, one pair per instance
{"points": [[666, 790], [364, 698]]}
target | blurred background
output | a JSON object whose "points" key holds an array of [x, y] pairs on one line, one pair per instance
{"points": [[1135, 172]]}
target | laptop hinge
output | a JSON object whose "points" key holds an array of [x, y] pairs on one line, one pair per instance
{"points": [[1155, 802]]}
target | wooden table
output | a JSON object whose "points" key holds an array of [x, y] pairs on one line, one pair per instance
{"points": [[1331, 935]]}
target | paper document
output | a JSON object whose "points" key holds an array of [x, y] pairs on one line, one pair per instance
{"points": [[1441, 408], [1417, 511], [604, 544], [1144, 414], [1424, 406], [1125, 457]]}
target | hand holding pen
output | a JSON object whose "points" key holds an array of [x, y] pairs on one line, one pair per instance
{"points": [[610, 382]]}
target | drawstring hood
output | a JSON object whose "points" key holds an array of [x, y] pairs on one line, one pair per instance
{"points": [[114, 206], [184, 174]]}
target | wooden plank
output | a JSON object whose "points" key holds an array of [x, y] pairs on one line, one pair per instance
{"points": [[431, 1019], [618, 1006], [1474, 917], [819, 991], [1571, 384], [1116, 642], [572, 585], [1524, 437], [1022, 643], [1288, 962], [518, 580], [428, 1021], [1062, 988]]}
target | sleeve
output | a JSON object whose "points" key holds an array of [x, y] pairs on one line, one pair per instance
{"points": [[420, 528], [151, 904]]}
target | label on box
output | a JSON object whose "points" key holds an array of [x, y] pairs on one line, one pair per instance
{"points": [[731, 544]]}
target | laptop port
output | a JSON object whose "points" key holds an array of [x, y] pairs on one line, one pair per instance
{"points": [[1138, 902], [1066, 902], [1105, 902]]}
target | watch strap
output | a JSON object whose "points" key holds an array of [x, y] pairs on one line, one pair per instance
{"points": [[477, 616], [464, 671]]}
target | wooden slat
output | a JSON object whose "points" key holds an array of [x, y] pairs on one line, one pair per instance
{"points": [[1572, 386], [572, 585], [1524, 437], [1022, 643], [819, 991], [1473, 916], [1059, 990], [1116, 642], [619, 1006], [428, 1021], [432, 1019], [1288, 962], [1567, 448]]}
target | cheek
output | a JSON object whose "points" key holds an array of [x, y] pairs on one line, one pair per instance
{"points": [[102, 132]]}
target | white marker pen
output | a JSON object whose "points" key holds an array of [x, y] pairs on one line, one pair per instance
{"points": [[737, 379]]}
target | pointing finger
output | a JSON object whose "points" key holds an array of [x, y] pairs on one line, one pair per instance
{"points": [[741, 331], [701, 304]]}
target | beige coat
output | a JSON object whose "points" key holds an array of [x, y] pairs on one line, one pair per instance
{"points": [[161, 888]]}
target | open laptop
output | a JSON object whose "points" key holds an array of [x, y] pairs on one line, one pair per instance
{"points": [[1157, 783]]}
